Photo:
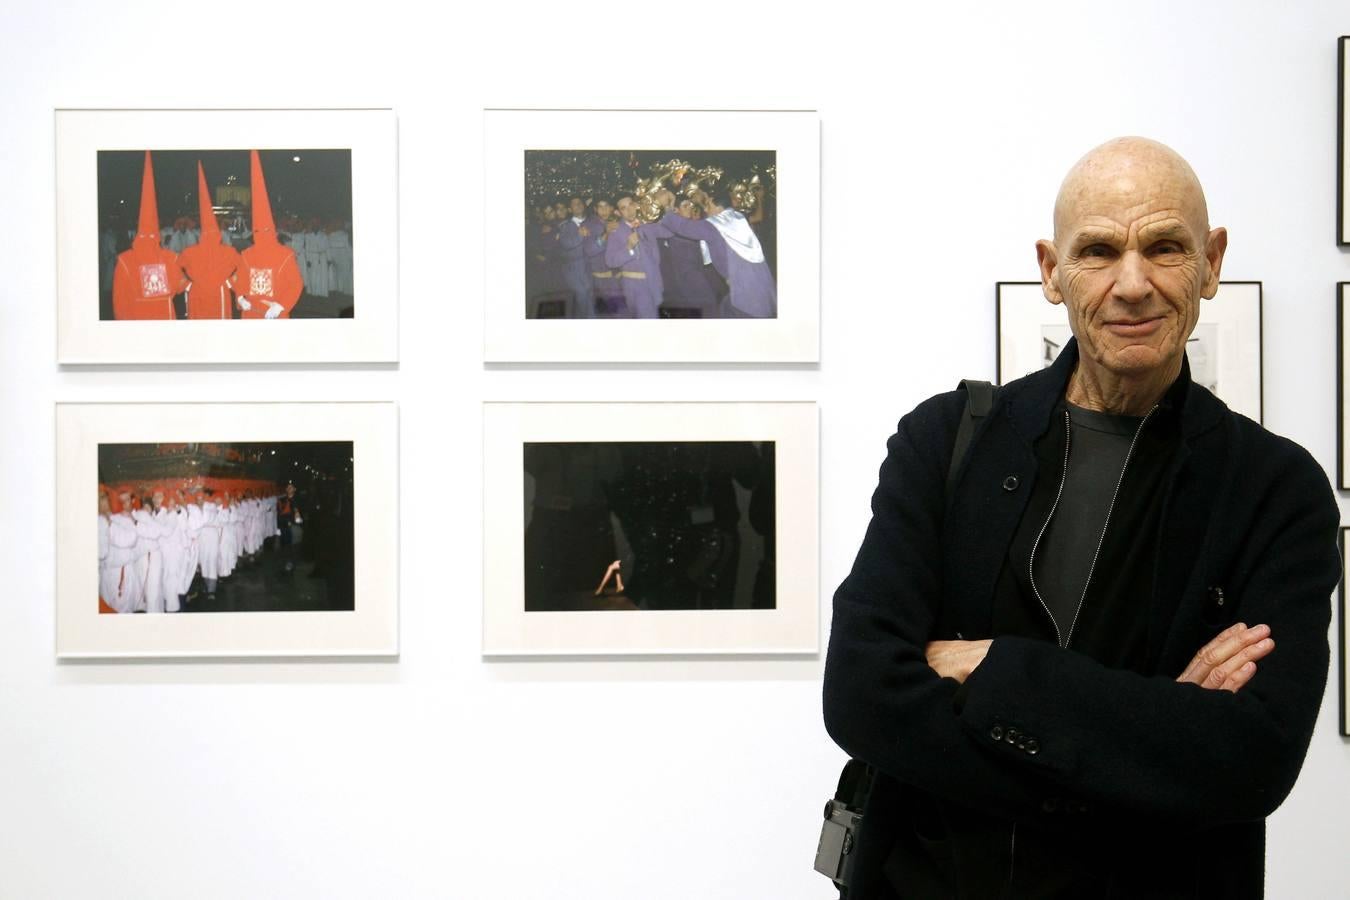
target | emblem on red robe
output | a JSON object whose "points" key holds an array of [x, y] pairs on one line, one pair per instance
{"points": [[260, 282], [154, 280]]}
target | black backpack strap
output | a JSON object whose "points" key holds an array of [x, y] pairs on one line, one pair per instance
{"points": [[979, 400]]}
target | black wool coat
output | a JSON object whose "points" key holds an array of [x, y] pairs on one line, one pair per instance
{"points": [[1122, 783]]}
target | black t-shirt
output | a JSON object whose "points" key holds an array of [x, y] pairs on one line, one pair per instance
{"points": [[1098, 450]]}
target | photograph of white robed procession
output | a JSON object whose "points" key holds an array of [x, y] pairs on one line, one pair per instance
{"points": [[226, 529]]}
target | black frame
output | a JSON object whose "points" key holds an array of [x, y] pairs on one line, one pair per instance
{"points": [[1260, 344], [1342, 664], [1342, 295], [1342, 234]]}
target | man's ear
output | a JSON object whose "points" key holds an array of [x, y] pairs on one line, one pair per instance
{"points": [[1048, 260], [1215, 247]]}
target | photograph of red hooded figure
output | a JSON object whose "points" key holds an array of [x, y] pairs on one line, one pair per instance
{"points": [[253, 234], [146, 277], [211, 265]]}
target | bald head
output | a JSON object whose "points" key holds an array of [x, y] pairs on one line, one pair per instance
{"points": [[1126, 174]]}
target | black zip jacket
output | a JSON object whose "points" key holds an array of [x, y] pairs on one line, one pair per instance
{"points": [[1085, 771]]}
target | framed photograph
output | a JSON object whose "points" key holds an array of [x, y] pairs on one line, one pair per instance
{"points": [[1344, 667], [226, 529], [650, 528], [1224, 350], [1342, 146], [652, 236], [226, 236], [1342, 386]]}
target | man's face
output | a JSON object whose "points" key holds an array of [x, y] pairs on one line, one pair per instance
{"points": [[1131, 259], [603, 209], [628, 209], [687, 209], [578, 208], [124, 499], [290, 491], [560, 210]]}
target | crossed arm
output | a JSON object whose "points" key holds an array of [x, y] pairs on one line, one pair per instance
{"points": [[1119, 741], [1226, 663]]}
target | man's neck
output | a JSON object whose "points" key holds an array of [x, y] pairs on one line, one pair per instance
{"points": [[1103, 391]]}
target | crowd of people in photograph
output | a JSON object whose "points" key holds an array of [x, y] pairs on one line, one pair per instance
{"points": [[704, 252], [162, 545], [250, 269]]}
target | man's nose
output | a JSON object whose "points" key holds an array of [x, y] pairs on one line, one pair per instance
{"points": [[1132, 284]]}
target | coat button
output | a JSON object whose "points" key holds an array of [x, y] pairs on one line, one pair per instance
{"points": [[1033, 747], [1010, 483], [1216, 595], [1050, 805], [996, 732], [1011, 735]]}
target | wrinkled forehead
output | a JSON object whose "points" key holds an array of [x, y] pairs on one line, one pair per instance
{"points": [[1130, 185]]}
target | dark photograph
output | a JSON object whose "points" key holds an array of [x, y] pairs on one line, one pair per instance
{"points": [[249, 527], [648, 234], [649, 526], [225, 234]]}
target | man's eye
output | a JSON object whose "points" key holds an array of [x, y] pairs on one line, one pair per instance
{"points": [[1096, 250], [1165, 247]]}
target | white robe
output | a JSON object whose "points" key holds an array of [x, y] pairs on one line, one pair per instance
{"points": [[192, 529], [173, 547], [119, 582], [229, 543], [151, 562], [340, 252], [298, 248], [316, 264], [208, 542]]}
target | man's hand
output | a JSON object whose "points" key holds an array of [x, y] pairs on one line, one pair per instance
{"points": [[1229, 661], [956, 659], [633, 240]]}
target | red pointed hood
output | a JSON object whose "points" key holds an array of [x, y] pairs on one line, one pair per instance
{"points": [[147, 231], [264, 229], [210, 230]]}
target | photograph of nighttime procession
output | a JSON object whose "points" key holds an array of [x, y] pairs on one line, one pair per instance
{"points": [[648, 234], [219, 527], [225, 234]]}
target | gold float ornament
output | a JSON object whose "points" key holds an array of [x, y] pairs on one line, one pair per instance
{"points": [[647, 192], [746, 194], [701, 180]]}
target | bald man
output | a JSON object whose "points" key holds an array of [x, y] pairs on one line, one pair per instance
{"points": [[1063, 664]]}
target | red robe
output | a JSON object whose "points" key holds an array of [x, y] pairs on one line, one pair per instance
{"points": [[212, 270], [144, 282], [269, 272]]}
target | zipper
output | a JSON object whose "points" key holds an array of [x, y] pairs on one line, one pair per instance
{"points": [[1063, 639], [1012, 855]]}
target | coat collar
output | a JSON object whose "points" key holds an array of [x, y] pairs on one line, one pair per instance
{"points": [[1031, 400]]}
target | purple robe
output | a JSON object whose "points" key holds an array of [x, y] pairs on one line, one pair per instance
{"points": [[691, 281], [752, 289], [576, 267], [639, 269]]}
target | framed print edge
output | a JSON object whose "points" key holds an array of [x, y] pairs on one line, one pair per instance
{"points": [[1342, 145], [791, 628], [1343, 640], [793, 336], [370, 337], [1342, 469], [369, 630]]}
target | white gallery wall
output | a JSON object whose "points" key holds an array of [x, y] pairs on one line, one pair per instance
{"points": [[945, 131]]}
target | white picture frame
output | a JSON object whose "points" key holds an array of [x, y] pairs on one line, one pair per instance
{"points": [[370, 629], [1031, 329], [369, 336], [793, 336], [791, 627]]}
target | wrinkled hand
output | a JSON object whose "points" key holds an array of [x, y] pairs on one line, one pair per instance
{"points": [[955, 659], [1228, 661]]}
